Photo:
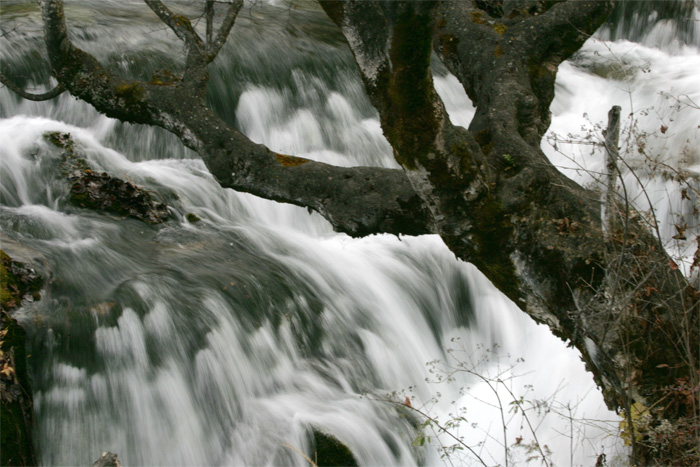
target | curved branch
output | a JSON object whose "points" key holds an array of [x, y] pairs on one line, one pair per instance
{"points": [[57, 91]]}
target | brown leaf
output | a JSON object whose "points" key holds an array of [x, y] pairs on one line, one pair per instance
{"points": [[7, 370], [664, 128], [680, 232]]}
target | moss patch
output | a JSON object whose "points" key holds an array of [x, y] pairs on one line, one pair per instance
{"points": [[290, 161], [478, 17], [130, 92], [17, 281], [500, 28]]}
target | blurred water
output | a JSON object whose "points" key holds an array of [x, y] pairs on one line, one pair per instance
{"points": [[222, 341]]}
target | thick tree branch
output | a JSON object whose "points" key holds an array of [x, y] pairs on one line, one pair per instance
{"points": [[359, 201], [57, 91], [495, 198], [391, 43]]}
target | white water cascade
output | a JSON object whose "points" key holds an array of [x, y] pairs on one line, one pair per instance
{"points": [[226, 341]]}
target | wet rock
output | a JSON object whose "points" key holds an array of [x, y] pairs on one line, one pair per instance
{"points": [[106, 193], [18, 283], [328, 451], [108, 459], [102, 191]]}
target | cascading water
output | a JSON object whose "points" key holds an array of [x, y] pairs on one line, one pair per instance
{"points": [[226, 341]]}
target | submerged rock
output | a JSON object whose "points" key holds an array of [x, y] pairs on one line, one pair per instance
{"points": [[104, 192], [328, 451], [108, 459]]}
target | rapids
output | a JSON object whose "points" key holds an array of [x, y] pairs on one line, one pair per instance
{"points": [[226, 341]]}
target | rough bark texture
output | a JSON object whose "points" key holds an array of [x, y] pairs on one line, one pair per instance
{"points": [[488, 190]]}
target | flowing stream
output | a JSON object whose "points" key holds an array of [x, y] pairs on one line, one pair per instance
{"points": [[227, 341]]}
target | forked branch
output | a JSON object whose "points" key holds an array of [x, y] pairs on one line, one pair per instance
{"points": [[215, 45]]}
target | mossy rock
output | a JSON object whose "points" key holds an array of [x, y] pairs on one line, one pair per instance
{"points": [[192, 217], [16, 282], [103, 192]]}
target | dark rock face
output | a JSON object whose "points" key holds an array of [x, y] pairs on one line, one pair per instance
{"points": [[102, 191], [106, 193], [331, 452], [18, 282]]}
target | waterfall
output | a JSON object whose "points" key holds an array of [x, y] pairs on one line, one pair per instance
{"points": [[229, 340]]}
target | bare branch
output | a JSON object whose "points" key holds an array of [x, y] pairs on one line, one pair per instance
{"points": [[179, 24], [214, 47], [58, 90]]}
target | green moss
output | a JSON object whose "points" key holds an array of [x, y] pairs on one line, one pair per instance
{"points": [[16, 281], [130, 92], [182, 21], [163, 78], [7, 283], [478, 17], [500, 28], [192, 217]]}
